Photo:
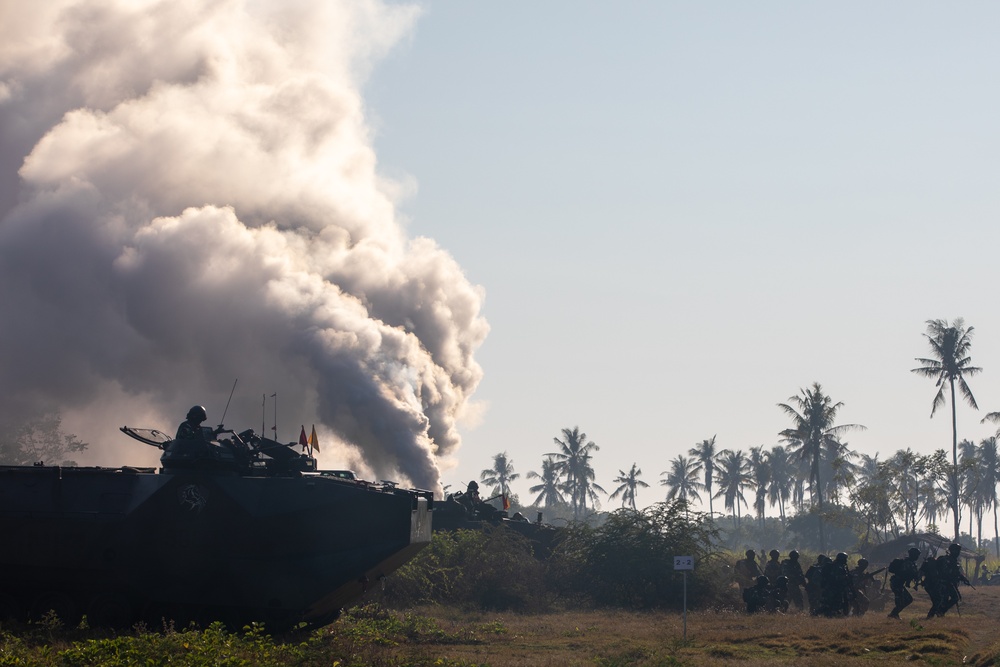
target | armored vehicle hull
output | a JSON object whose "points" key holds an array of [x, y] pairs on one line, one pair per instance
{"points": [[199, 544]]}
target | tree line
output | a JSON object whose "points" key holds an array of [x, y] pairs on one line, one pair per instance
{"points": [[813, 466]]}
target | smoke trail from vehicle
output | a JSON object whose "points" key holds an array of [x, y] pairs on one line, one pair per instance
{"points": [[188, 195]]}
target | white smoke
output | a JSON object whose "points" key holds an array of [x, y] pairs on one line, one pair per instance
{"points": [[188, 196]]}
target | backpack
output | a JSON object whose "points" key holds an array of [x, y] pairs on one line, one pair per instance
{"points": [[896, 566]]}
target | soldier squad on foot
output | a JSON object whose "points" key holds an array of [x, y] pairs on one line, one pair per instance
{"points": [[834, 589]]}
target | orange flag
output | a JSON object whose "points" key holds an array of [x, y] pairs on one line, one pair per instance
{"points": [[302, 438], [313, 440], [506, 503]]}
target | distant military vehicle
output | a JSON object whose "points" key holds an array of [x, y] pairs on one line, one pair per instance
{"points": [[240, 529], [459, 512]]}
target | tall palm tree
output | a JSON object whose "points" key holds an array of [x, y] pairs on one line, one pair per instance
{"points": [[704, 451], [682, 479], [732, 474], [813, 414], [500, 475], [629, 482], [550, 489], [573, 459], [760, 477], [779, 489], [950, 365]]}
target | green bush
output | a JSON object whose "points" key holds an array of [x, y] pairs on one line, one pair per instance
{"points": [[489, 569], [629, 560]]}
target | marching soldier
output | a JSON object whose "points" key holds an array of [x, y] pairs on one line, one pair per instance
{"points": [[747, 571], [903, 571], [814, 583], [836, 595], [772, 569], [792, 569], [930, 571], [950, 574]]}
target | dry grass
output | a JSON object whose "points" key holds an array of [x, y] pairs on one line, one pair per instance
{"points": [[625, 638]]}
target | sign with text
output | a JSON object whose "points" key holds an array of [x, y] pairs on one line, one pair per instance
{"points": [[683, 563]]}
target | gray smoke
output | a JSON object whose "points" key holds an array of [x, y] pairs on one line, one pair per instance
{"points": [[188, 195]]}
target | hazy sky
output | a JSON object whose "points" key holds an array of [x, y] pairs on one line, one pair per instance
{"points": [[672, 216], [684, 213]]}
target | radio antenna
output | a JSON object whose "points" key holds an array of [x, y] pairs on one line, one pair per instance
{"points": [[275, 427], [223, 420]]}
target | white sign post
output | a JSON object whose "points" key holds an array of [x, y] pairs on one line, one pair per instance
{"points": [[684, 563]]}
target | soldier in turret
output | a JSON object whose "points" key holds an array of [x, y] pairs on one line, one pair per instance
{"points": [[470, 499], [903, 572], [191, 428]]}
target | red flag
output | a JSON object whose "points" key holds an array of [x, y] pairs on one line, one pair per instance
{"points": [[313, 440], [506, 502], [302, 438]]}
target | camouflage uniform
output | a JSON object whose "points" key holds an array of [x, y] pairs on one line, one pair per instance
{"points": [[791, 568], [757, 597], [836, 596], [746, 570], [859, 585], [930, 570], [814, 583], [898, 581], [950, 574], [772, 568]]}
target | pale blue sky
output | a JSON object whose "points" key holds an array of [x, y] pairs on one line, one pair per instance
{"points": [[683, 213]]}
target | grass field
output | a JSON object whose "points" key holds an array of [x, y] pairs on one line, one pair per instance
{"points": [[619, 638]]}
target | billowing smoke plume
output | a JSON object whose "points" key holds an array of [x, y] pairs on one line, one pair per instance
{"points": [[188, 195]]}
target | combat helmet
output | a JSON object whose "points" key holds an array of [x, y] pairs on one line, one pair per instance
{"points": [[197, 413]]}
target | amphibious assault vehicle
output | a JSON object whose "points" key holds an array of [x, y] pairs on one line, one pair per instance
{"points": [[240, 529]]}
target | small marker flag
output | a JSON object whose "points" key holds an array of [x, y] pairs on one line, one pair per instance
{"points": [[506, 502], [313, 440], [302, 438]]}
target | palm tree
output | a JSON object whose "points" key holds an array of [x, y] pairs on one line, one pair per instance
{"points": [[550, 490], [813, 414], [704, 451], [500, 475], [682, 479], [989, 459], [779, 489], [573, 459], [732, 474], [760, 476], [630, 482], [951, 364]]}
